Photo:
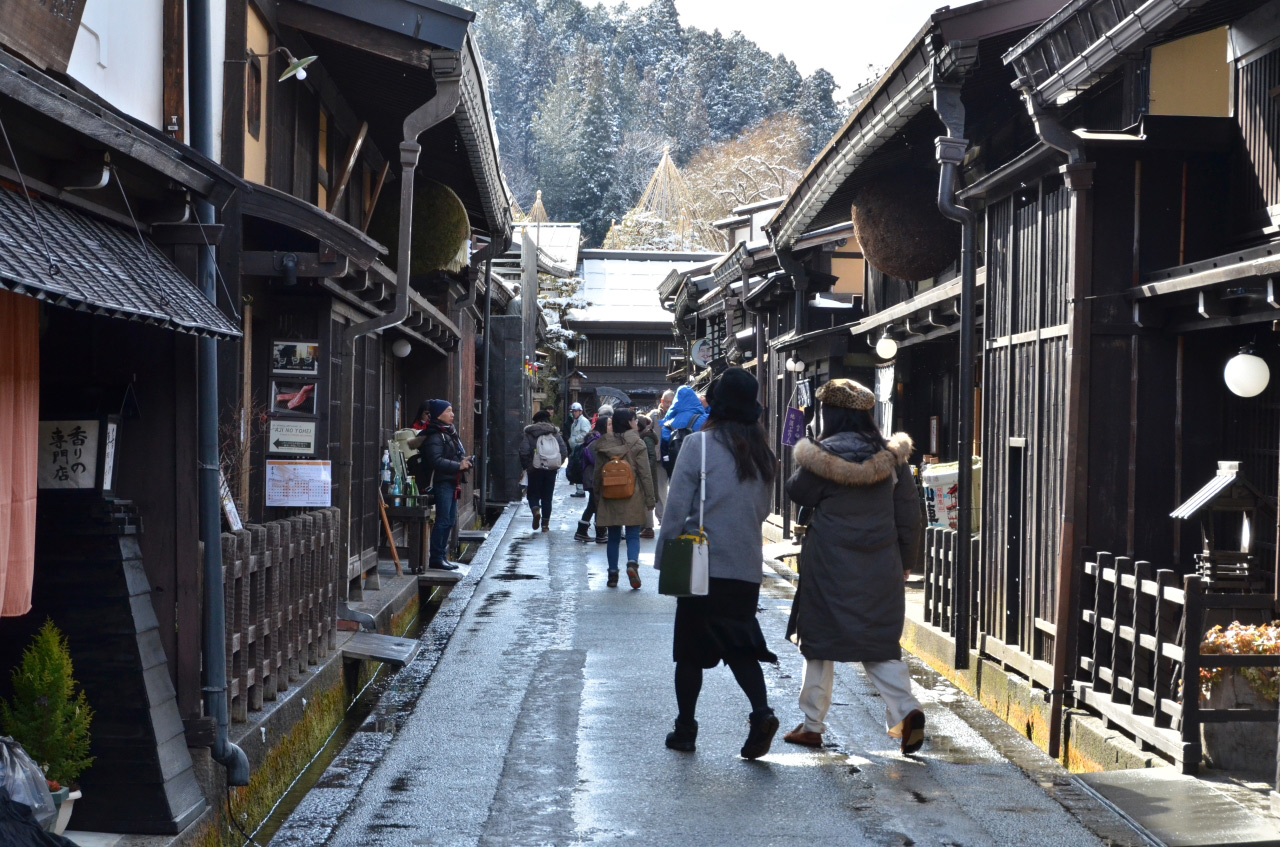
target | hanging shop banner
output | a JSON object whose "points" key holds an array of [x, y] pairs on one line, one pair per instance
{"points": [[792, 427], [299, 483], [288, 436], [804, 394], [229, 509]]}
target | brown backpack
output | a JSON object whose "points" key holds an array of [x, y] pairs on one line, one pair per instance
{"points": [[617, 480]]}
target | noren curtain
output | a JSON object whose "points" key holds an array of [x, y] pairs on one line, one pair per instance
{"points": [[19, 423]]}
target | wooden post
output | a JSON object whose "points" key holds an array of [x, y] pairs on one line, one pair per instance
{"points": [[246, 405], [1193, 626], [1075, 495], [349, 165]]}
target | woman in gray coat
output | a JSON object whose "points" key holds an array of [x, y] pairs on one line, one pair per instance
{"points": [[722, 626], [861, 542]]}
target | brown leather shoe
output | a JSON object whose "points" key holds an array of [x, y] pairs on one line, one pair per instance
{"points": [[803, 737]]}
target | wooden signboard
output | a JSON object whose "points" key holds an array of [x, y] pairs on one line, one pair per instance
{"points": [[41, 31]]}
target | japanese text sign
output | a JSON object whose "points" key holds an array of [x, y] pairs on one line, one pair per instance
{"points": [[68, 455], [792, 427]]}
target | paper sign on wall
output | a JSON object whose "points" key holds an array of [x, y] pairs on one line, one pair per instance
{"points": [[287, 436], [299, 483], [68, 454]]}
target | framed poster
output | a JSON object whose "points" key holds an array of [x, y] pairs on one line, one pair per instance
{"points": [[291, 397], [301, 358], [299, 483]]}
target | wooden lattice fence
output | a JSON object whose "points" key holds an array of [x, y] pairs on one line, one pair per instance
{"points": [[280, 584]]}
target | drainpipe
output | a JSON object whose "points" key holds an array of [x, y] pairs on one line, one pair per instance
{"points": [[950, 151], [1078, 175], [484, 386], [437, 109], [213, 612]]}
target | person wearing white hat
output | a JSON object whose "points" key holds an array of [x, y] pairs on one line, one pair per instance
{"points": [[579, 426]]}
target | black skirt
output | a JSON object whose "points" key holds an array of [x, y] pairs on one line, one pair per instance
{"points": [[720, 626]]}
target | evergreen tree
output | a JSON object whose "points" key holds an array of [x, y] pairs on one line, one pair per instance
{"points": [[816, 107]]}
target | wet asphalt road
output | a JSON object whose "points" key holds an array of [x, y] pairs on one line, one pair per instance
{"points": [[540, 721]]}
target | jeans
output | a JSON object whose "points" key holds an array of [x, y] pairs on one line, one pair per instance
{"points": [[589, 512], [542, 484], [446, 516], [615, 540]]}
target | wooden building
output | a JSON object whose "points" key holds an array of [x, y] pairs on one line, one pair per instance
{"points": [[336, 349]]}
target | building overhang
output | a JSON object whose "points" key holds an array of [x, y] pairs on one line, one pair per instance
{"points": [[363, 46]]}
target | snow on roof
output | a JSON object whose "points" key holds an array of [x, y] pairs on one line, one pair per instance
{"points": [[625, 290], [558, 240]]}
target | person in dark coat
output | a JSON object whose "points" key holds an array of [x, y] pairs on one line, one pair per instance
{"points": [[443, 468], [598, 430], [862, 540], [649, 435], [722, 626], [542, 481]]}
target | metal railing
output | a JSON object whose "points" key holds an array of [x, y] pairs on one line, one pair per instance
{"points": [[280, 582]]}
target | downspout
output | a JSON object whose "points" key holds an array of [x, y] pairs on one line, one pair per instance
{"points": [[213, 612], [1078, 175], [950, 152], [439, 108], [484, 387]]}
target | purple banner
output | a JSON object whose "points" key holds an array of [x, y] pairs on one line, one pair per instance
{"points": [[792, 427]]}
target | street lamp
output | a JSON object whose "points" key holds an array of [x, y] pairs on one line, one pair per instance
{"points": [[795, 366], [886, 347], [296, 67], [1246, 374]]}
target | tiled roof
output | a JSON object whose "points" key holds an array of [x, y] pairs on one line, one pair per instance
{"points": [[99, 268]]}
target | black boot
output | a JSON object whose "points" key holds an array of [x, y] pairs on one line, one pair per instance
{"points": [[682, 738], [584, 531], [763, 725], [602, 535]]}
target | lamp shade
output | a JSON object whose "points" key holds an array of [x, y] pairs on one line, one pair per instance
{"points": [[1246, 375], [886, 347]]}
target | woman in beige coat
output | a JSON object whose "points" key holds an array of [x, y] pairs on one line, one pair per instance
{"points": [[622, 441]]}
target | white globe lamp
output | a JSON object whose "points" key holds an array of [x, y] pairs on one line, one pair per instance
{"points": [[886, 347], [1246, 374], [401, 348]]}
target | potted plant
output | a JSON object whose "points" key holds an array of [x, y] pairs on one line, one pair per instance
{"points": [[1241, 746], [50, 717]]}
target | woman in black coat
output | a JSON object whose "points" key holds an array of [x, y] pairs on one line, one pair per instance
{"points": [[862, 541], [444, 462]]}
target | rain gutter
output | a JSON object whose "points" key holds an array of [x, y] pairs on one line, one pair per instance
{"points": [[447, 69], [213, 609]]}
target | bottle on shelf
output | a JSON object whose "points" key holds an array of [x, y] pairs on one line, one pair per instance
{"points": [[396, 492], [386, 467], [411, 497]]}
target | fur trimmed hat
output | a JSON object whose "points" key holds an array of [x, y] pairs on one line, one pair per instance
{"points": [[846, 394]]}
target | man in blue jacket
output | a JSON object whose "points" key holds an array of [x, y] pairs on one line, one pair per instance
{"points": [[686, 413]]}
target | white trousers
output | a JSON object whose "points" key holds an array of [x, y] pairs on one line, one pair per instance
{"points": [[891, 679]]}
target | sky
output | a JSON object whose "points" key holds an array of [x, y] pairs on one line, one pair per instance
{"points": [[843, 36]]}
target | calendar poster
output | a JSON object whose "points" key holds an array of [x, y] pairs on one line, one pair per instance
{"points": [[299, 484]]}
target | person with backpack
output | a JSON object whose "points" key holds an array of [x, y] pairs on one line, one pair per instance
{"points": [[443, 470], [685, 417], [862, 540], [542, 452], [624, 486], [721, 626], [598, 429]]}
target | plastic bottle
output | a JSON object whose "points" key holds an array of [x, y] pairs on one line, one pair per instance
{"points": [[386, 467], [396, 492]]}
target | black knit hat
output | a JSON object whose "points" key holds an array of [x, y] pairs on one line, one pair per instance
{"points": [[733, 397]]}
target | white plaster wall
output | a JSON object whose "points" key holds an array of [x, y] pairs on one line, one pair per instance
{"points": [[119, 55]]}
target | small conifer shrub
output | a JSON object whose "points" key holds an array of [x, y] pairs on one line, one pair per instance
{"points": [[47, 715]]}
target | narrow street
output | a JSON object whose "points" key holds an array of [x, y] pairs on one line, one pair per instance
{"points": [[541, 721]]}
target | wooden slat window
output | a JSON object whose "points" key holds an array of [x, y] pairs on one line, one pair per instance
{"points": [[605, 353], [646, 354]]}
